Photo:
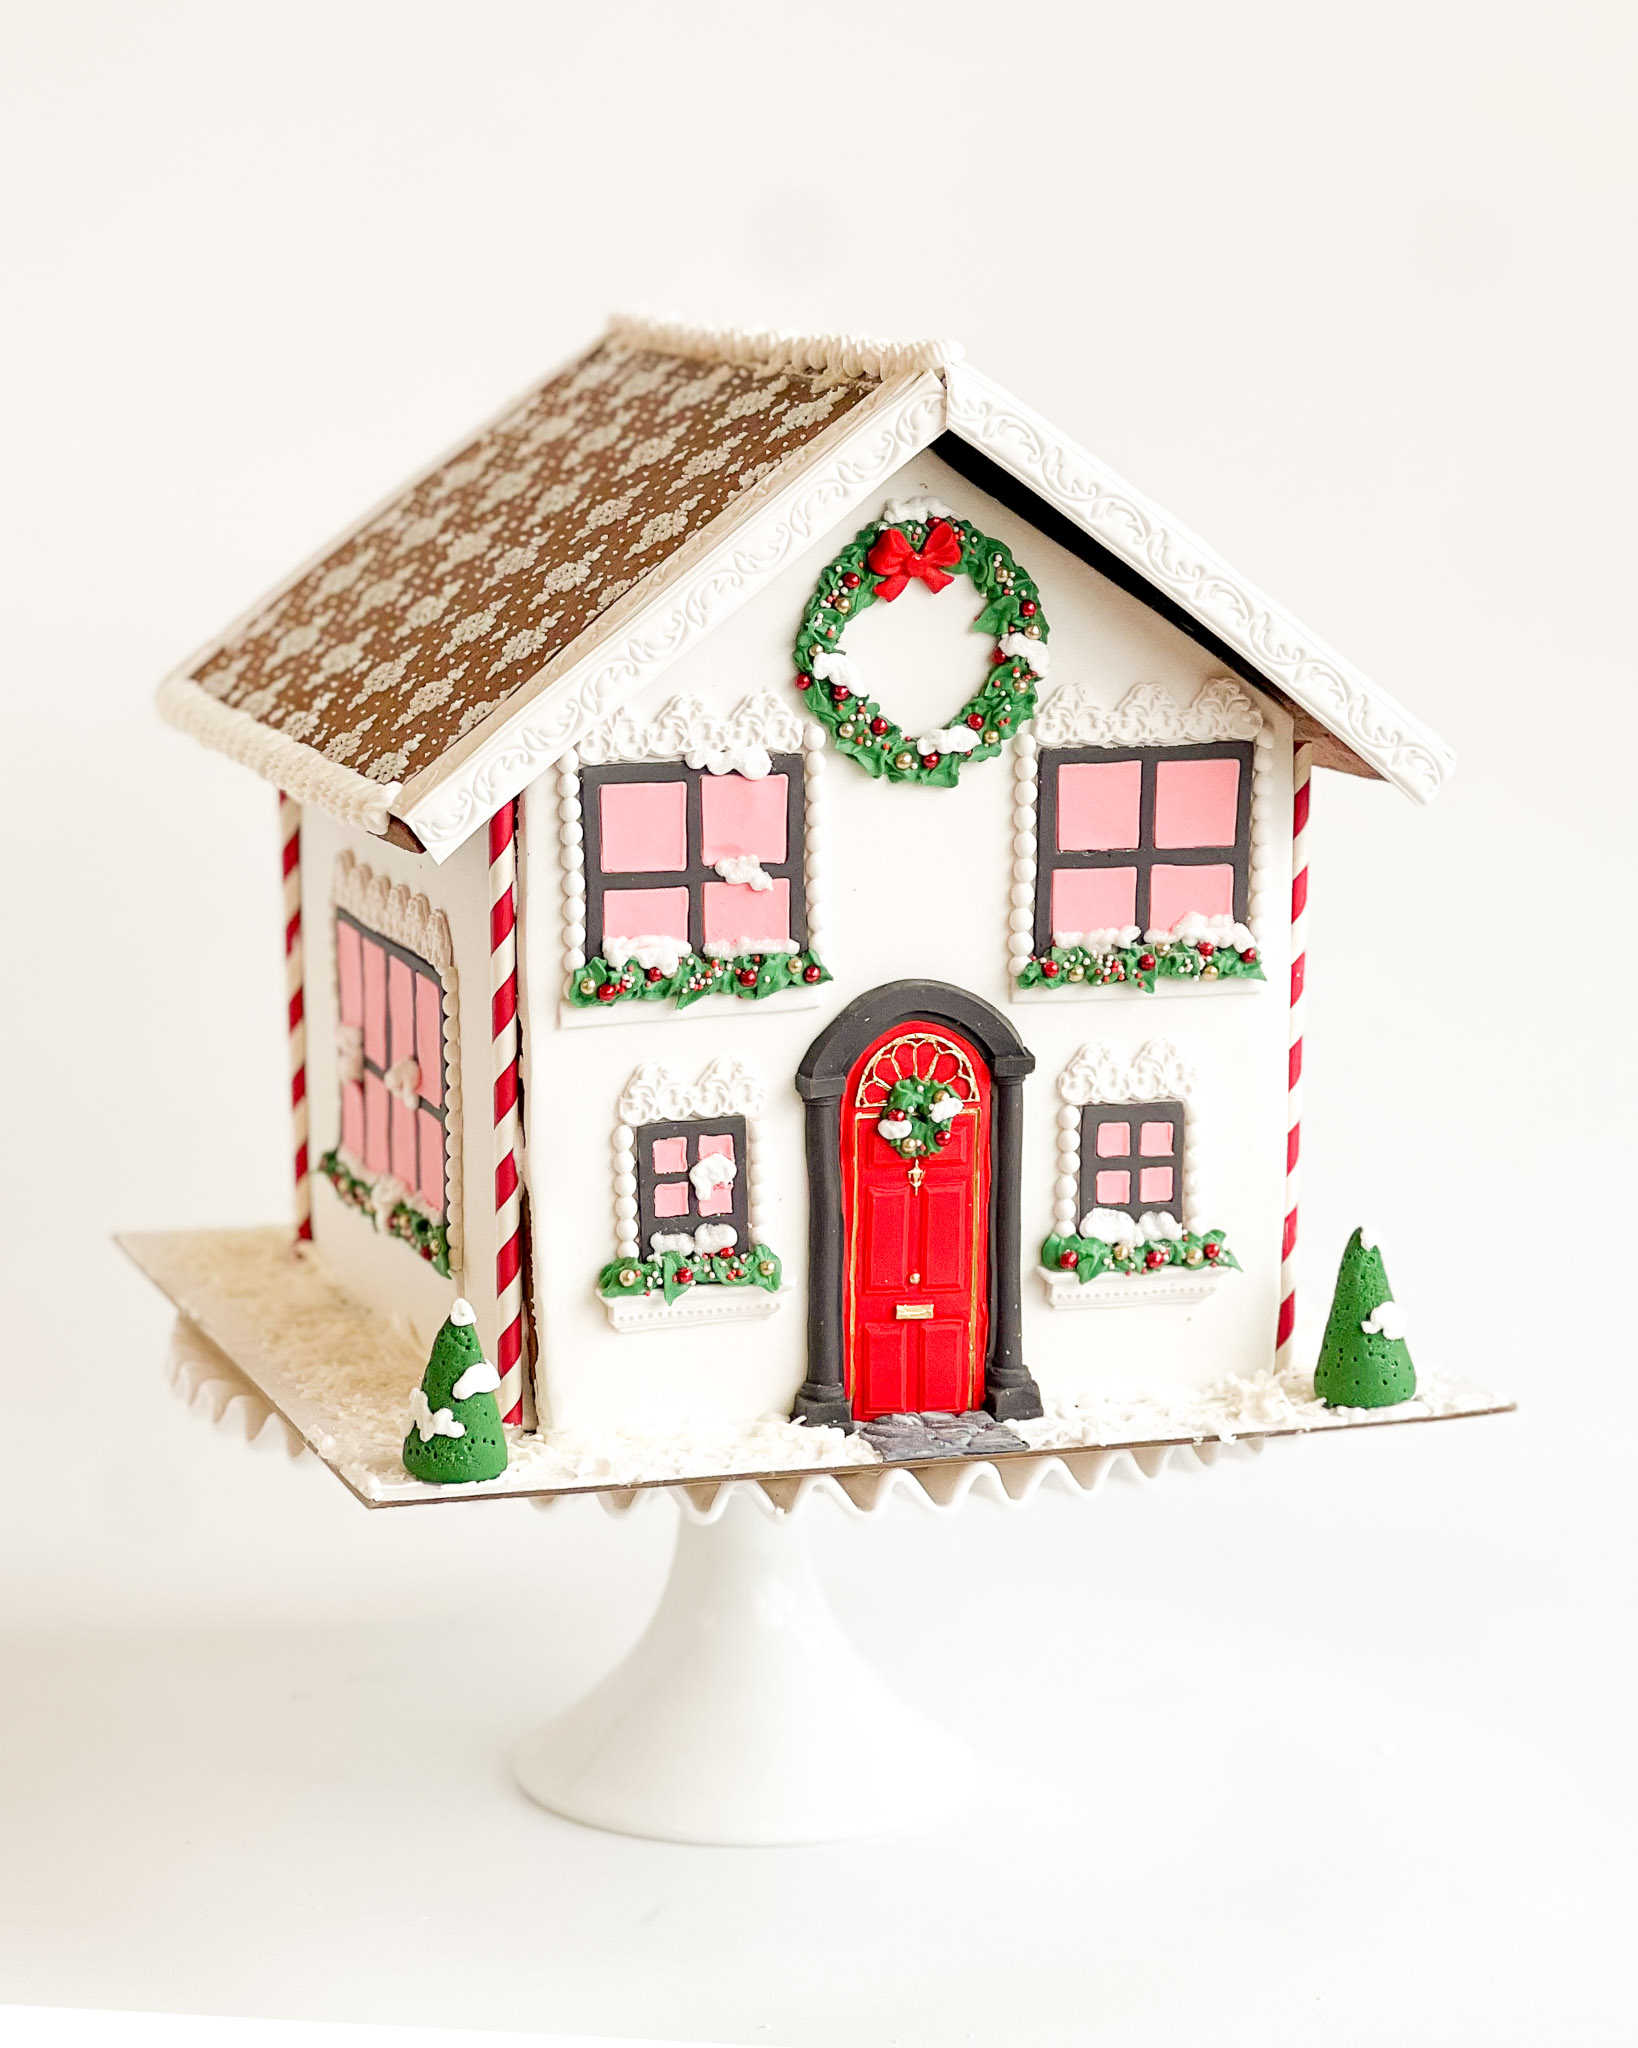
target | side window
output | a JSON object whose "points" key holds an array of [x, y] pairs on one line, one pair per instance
{"points": [[1131, 1161], [682, 863], [398, 1144], [690, 1187], [1134, 840]]}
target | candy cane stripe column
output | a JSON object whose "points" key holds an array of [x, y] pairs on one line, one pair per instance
{"points": [[503, 957], [1302, 765], [290, 839]]}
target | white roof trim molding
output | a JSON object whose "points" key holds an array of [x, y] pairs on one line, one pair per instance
{"points": [[296, 769], [445, 807], [1181, 566]]}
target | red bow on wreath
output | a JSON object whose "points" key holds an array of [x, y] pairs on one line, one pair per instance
{"points": [[896, 561]]}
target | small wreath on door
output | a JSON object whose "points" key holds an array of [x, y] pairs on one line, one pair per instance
{"points": [[918, 1116], [924, 542]]}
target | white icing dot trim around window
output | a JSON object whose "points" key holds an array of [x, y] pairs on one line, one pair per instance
{"points": [[1157, 1072], [1147, 716], [654, 1095], [689, 732]]}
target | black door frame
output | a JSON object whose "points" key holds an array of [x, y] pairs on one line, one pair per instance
{"points": [[1010, 1392]]}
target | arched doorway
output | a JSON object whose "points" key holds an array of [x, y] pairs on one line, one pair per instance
{"points": [[914, 1245]]}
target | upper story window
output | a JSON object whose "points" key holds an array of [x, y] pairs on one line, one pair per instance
{"points": [[1138, 839], [695, 882]]}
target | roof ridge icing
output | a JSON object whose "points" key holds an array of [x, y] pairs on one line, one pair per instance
{"points": [[849, 357]]}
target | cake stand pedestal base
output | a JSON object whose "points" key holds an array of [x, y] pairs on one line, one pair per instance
{"points": [[743, 1715]]}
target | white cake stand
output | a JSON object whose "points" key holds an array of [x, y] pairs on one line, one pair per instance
{"points": [[733, 1718]]}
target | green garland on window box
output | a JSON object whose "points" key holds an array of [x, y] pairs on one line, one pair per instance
{"points": [[909, 1101], [1142, 966], [427, 1235], [677, 1273], [1087, 1257], [1012, 612], [750, 976]]}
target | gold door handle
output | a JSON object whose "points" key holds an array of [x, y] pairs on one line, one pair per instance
{"points": [[913, 1311]]}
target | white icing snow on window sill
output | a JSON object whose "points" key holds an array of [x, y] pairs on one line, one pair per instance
{"points": [[633, 1312], [1130, 1290]]}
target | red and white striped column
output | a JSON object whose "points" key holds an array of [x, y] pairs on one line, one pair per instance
{"points": [[290, 840], [503, 959], [1302, 765]]}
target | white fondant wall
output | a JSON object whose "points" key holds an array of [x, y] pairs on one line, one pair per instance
{"points": [[918, 885], [382, 1270]]}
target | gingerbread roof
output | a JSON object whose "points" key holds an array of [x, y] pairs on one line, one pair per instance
{"points": [[429, 664]]}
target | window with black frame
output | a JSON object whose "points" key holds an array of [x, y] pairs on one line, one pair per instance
{"points": [[1132, 1160], [691, 1192]]}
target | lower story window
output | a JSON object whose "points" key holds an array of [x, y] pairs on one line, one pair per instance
{"points": [[690, 1187], [1131, 1160]]}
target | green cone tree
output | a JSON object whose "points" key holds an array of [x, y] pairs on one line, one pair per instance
{"points": [[455, 1435], [1363, 1362]]}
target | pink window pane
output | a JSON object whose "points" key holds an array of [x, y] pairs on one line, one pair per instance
{"points": [[735, 912], [1112, 1189], [671, 1198], [1174, 892], [375, 1003], [1155, 1141], [432, 1162], [738, 816], [645, 914], [1098, 805], [1196, 802], [644, 827], [350, 973], [670, 1155], [1155, 1184], [429, 1037], [716, 1201], [404, 1147], [1114, 1140], [376, 1100], [400, 1013], [352, 1118], [1093, 899], [717, 1145]]}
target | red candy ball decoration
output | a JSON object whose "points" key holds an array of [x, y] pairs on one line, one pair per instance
{"points": [[813, 972], [878, 726], [607, 991], [1050, 969], [1069, 1260]]}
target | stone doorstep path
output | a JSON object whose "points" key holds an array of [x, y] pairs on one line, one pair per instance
{"points": [[895, 1438]]}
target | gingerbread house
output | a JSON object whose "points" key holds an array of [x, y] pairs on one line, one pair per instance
{"points": [[795, 889]]}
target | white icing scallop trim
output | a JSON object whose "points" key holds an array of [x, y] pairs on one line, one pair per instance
{"points": [[1147, 716], [682, 729], [1158, 1072], [410, 921], [655, 1095], [842, 357]]}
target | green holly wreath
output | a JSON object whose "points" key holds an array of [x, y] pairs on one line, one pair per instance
{"points": [[925, 542], [917, 1116]]}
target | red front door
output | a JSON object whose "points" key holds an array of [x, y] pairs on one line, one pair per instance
{"points": [[916, 1274]]}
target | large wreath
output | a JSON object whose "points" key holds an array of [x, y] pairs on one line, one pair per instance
{"points": [[924, 541]]}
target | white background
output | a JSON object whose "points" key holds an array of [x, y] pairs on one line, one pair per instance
{"points": [[1332, 1746]]}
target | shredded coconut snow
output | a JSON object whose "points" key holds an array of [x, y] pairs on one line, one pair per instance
{"points": [[342, 1373]]}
